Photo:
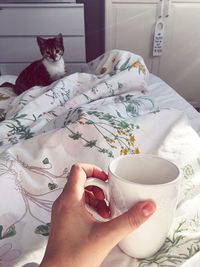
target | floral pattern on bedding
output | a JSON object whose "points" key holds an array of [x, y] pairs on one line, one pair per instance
{"points": [[91, 117], [24, 120], [6, 96], [178, 247]]}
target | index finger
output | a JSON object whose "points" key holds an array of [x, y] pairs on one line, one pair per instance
{"points": [[78, 175]]}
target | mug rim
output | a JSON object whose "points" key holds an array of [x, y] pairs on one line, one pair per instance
{"points": [[144, 184]]}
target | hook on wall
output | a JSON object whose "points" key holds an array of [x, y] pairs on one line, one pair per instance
{"points": [[163, 9], [167, 8]]}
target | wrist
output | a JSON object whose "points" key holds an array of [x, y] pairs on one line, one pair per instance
{"points": [[56, 262], [50, 263]]}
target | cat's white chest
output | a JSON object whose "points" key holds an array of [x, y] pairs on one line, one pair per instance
{"points": [[55, 69]]}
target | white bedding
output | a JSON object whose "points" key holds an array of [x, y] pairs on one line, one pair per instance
{"points": [[115, 108], [169, 98]]}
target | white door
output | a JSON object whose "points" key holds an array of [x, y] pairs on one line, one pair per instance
{"points": [[130, 26]]}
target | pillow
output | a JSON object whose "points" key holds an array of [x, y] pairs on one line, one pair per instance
{"points": [[7, 78]]}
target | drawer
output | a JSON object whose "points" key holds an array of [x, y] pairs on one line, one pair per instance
{"points": [[26, 49], [41, 20], [38, 1], [136, 1], [16, 68]]}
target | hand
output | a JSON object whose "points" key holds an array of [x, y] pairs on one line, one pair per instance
{"points": [[76, 238]]}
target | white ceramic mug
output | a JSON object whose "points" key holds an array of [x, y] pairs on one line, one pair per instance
{"points": [[134, 178]]}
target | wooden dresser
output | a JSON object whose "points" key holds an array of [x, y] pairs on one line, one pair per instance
{"points": [[21, 23]]}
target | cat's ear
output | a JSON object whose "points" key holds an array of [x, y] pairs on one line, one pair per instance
{"points": [[59, 37], [40, 41]]}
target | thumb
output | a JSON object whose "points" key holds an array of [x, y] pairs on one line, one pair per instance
{"points": [[121, 226]]}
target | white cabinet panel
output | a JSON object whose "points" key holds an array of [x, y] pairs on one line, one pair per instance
{"points": [[25, 49], [37, 1], [131, 28], [136, 1], [186, 1], [21, 20]]}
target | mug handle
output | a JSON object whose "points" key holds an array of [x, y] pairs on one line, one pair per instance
{"points": [[105, 187]]}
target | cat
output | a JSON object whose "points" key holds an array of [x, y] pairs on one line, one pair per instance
{"points": [[46, 70]]}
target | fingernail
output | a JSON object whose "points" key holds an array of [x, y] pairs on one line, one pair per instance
{"points": [[148, 209]]}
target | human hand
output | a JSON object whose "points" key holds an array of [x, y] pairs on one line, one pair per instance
{"points": [[76, 238]]}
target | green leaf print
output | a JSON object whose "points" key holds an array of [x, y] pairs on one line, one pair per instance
{"points": [[52, 186], [87, 97], [178, 247], [43, 229], [117, 133], [45, 161], [120, 85], [119, 114], [188, 173], [17, 116], [123, 125], [75, 136], [125, 64], [9, 232], [17, 129], [2, 114], [133, 106], [26, 134], [91, 143]]}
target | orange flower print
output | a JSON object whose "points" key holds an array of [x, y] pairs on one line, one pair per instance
{"points": [[3, 97], [135, 64], [124, 151], [142, 68], [138, 65], [121, 132], [132, 139], [103, 70], [136, 151], [109, 140]]}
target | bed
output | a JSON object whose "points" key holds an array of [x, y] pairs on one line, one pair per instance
{"points": [[115, 107]]}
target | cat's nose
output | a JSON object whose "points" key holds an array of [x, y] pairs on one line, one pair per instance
{"points": [[52, 57], [56, 57]]}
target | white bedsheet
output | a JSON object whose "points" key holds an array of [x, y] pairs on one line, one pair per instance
{"points": [[115, 108], [169, 98]]}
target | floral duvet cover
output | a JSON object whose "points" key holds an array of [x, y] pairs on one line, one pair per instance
{"points": [[90, 117]]}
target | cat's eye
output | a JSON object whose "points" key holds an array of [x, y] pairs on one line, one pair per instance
{"points": [[48, 53], [57, 51]]}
